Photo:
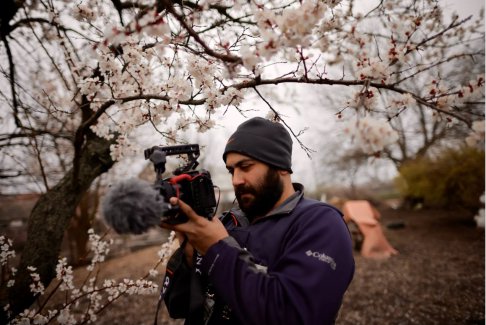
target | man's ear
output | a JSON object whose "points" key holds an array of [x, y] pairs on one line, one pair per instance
{"points": [[283, 172]]}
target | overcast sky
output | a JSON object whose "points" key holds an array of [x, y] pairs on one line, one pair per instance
{"points": [[464, 8]]}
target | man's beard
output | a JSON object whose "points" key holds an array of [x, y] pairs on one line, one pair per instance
{"points": [[263, 196]]}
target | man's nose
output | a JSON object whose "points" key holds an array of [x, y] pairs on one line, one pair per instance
{"points": [[237, 178]]}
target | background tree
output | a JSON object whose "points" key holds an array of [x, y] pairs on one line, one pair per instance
{"points": [[80, 78], [420, 130], [453, 179]]}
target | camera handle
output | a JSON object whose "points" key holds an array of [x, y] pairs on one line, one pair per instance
{"points": [[158, 159], [157, 156]]}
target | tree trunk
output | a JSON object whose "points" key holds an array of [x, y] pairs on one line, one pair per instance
{"points": [[81, 222], [48, 221]]}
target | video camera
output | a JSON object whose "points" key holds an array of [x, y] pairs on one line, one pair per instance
{"points": [[194, 187]]}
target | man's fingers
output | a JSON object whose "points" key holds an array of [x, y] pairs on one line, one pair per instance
{"points": [[186, 209]]}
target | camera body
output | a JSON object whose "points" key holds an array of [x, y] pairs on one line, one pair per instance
{"points": [[194, 187]]}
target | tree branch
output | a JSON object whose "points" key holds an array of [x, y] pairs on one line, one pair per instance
{"points": [[223, 57], [319, 81], [11, 65], [452, 25], [457, 56]]}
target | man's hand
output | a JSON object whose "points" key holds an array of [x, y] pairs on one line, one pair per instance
{"points": [[188, 249], [201, 232]]}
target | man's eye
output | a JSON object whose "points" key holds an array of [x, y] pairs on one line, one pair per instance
{"points": [[245, 167]]}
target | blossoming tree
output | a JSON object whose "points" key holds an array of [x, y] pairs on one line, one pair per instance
{"points": [[79, 77]]}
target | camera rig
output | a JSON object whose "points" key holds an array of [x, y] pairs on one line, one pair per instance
{"points": [[194, 187]]}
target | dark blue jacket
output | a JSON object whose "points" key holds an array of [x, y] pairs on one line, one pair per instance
{"points": [[289, 267]]}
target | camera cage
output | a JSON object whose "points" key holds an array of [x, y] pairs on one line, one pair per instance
{"points": [[157, 155], [193, 186]]}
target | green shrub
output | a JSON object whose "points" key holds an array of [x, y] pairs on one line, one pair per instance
{"points": [[455, 178]]}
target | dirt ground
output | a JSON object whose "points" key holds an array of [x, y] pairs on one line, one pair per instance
{"points": [[438, 277]]}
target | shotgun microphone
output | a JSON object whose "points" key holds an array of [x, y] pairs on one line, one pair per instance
{"points": [[133, 206]]}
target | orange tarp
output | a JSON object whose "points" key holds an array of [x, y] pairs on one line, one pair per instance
{"points": [[366, 217]]}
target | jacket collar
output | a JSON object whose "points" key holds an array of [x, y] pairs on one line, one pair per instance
{"points": [[287, 206]]}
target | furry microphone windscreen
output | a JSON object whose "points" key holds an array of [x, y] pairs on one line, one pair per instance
{"points": [[133, 206]]}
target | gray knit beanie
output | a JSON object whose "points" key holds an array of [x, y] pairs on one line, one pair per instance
{"points": [[263, 140]]}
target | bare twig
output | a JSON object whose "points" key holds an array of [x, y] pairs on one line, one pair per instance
{"points": [[306, 149], [452, 25], [419, 71]]}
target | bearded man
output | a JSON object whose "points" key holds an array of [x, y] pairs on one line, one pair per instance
{"points": [[278, 258]]}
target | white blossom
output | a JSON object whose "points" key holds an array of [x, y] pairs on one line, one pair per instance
{"points": [[168, 247], [89, 87], [472, 91], [232, 96], [6, 250], [102, 128], [265, 18], [153, 272], [203, 72], [363, 99], [36, 286], [65, 274], [250, 58], [157, 28], [40, 320], [22, 321], [179, 88], [401, 101], [205, 125], [479, 217], [99, 247], [270, 44], [114, 35], [374, 70], [65, 317], [121, 148], [83, 11], [371, 135], [212, 98], [297, 24], [477, 135]]}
